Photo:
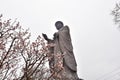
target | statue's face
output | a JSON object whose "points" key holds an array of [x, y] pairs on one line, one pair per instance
{"points": [[59, 26]]}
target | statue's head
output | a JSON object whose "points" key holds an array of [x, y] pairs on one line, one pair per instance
{"points": [[59, 25]]}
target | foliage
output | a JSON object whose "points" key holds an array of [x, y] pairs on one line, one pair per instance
{"points": [[116, 14], [21, 59]]}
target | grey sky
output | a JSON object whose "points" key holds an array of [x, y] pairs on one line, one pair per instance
{"points": [[95, 38]]}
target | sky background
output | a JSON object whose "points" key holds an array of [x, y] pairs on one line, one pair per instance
{"points": [[95, 37]]}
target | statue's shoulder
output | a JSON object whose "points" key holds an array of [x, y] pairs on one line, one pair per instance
{"points": [[66, 26]]}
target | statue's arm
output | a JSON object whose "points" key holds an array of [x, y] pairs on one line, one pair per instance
{"points": [[55, 35], [47, 39]]}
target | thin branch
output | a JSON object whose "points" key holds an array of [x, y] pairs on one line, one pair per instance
{"points": [[7, 52], [36, 62], [38, 65], [6, 71]]}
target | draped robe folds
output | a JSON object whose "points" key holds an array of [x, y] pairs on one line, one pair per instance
{"points": [[63, 45]]}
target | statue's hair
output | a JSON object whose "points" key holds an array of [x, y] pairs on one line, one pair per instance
{"points": [[59, 22]]}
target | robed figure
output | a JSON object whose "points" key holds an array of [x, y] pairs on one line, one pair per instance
{"points": [[63, 45]]}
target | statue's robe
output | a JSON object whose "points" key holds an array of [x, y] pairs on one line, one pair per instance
{"points": [[64, 46]]}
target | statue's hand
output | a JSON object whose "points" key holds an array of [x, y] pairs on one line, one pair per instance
{"points": [[45, 36]]}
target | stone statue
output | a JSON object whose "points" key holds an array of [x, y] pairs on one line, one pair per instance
{"points": [[63, 45]]}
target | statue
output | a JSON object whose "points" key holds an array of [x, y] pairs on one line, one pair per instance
{"points": [[63, 45]]}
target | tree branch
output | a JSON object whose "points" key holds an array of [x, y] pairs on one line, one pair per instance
{"points": [[7, 52]]}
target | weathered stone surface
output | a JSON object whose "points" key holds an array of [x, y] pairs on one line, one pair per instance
{"points": [[63, 46]]}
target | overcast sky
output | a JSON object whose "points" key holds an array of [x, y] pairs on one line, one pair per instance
{"points": [[95, 38]]}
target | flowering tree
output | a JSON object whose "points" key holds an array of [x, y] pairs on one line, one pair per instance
{"points": [[21, 59], [8, 50]]}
